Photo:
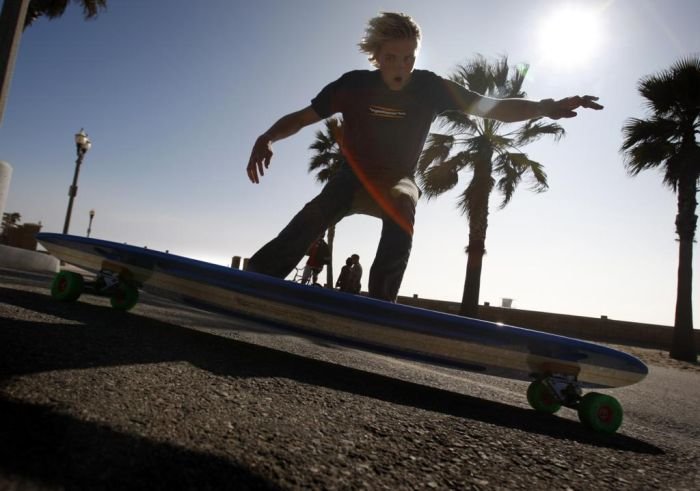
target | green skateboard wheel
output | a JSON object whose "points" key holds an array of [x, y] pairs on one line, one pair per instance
{"points": [[600, 412], [540, 397], [67, 286], [124, 297]]}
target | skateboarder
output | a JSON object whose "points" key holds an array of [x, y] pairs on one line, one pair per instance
{"points": [[387, 115]]}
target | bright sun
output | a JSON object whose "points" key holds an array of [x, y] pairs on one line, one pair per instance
{"points": [[570, 36]]}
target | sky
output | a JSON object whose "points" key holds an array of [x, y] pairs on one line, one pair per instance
{"points": [[173, 93]]}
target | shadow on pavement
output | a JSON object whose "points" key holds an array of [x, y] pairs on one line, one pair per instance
{"points": [[100, 336], [56, 448]]}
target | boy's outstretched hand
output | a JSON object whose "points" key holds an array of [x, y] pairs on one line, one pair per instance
{"points": [[565, 108], [260, 158]]}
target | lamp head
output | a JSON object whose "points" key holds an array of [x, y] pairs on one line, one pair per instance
{"points": [[82, 142]]}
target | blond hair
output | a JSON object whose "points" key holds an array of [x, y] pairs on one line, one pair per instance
{"points": [[387, 26]]}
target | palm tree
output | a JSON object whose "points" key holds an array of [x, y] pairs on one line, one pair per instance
{"points": [[489, 152], [326, 162], [55, 8], [9, 221], [668, 139]]}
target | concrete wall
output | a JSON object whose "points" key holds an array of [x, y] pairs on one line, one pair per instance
{"points": [[16, 258], [590, 328], [22, 236]]}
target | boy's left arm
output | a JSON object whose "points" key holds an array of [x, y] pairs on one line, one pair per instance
{"points": [[512, 110]]}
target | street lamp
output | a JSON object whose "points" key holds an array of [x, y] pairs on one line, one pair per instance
{"points": [[92, 215], [82, 145]]}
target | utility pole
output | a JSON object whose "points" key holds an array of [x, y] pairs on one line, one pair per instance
{"points": [[11, 26]]}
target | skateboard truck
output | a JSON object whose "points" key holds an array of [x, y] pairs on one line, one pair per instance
{"points": [[565, 389], [105, 281], [67, 286], [600, 412]]}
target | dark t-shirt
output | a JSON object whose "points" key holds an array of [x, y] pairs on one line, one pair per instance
{"points": [[384, 130]]}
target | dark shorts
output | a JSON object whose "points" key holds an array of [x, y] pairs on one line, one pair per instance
{"points": [[344, 195]]}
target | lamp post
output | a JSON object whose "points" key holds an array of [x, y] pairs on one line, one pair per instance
{"points": [[82, 145], [92, 215]]}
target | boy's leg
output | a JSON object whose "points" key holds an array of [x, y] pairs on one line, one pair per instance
{"points": [[393, 252], [281, 255]]}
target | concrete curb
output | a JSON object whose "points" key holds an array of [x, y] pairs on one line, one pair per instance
{"points": [[16, 258]]}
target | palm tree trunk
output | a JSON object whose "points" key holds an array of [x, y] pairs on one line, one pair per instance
{"points": [[472, 281], [683, 344], [478, 210], [329, 267]]}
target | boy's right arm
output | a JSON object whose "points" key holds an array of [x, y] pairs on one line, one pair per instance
{"points": [[286, 126]]}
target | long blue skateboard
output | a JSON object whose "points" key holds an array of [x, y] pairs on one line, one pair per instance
{"points": [[559, 368]]}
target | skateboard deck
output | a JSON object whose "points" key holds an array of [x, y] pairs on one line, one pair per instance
{"points": [[558, 367]]}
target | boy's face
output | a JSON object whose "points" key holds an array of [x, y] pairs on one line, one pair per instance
{"points": [[395, 60]]}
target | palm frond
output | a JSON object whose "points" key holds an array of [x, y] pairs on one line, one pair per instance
{"points": [[499, 73], [510, 176], [512, 167], [318, 161], [324, 174], [498, 141], [656, 129], [322, 142], [517, 80], [328, 157], [648, 143], [675, 91], [436, 150], [540, 183], [458, 122], [476, 75], [92, 7], [535, 129], [441, 177], [463, 202], [56, 8], [648, 155], [507, 83]]}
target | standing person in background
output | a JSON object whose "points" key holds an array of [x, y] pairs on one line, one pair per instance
{"points": [[350, 279], [343, 283], [355, 274], [318, 257]]}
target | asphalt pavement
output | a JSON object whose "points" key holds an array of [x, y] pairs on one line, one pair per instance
{"points": [[168, 396]]}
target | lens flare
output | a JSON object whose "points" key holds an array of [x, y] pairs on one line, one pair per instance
{"points": [[571, 36]]}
